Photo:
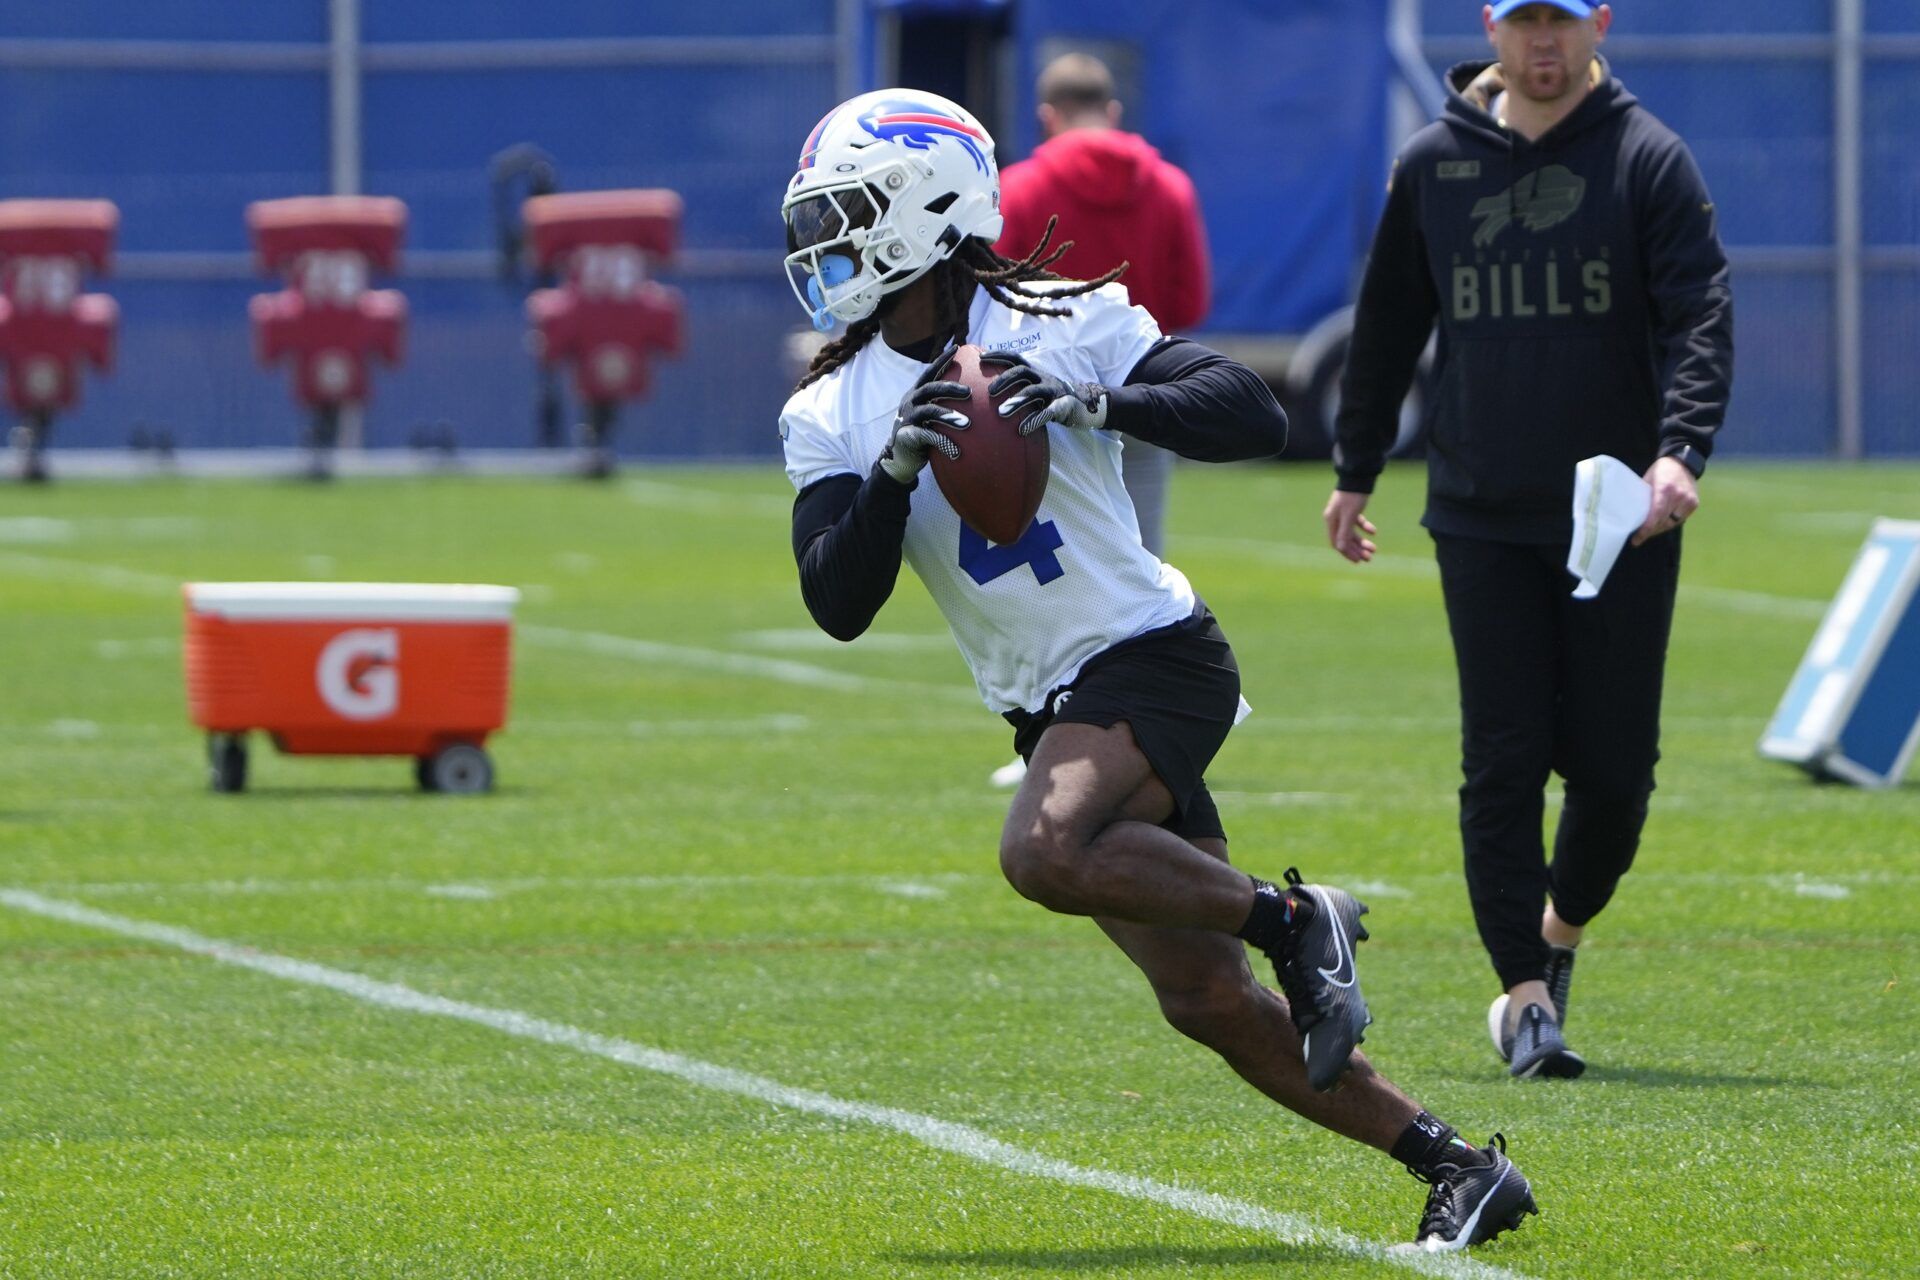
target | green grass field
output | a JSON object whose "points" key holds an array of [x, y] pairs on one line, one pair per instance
{"points": [[720, 836]]}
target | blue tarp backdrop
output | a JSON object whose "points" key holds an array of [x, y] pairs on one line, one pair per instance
{"points": [[1277, 110]]}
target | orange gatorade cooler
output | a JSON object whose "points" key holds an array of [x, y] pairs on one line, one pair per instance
{"points": [[351, 668]]}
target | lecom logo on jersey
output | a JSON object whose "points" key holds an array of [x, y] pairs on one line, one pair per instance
{"points": [[357, 674]]}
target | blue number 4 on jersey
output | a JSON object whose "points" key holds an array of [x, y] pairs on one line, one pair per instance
{"points": [[984, 562]]}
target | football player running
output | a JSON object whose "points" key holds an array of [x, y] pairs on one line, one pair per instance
{"points": [[1116, 678]]}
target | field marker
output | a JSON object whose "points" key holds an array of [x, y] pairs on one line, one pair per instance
{"points": [[1286, 799], [942, 1135], [473, 892], [151, 646], [911, 889], [1376, 889], [1806, 888]]}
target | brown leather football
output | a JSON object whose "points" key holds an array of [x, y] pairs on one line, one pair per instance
{"points": [[1000, 476]]}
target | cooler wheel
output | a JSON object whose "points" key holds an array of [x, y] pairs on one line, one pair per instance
{"points": [[461, 769], [227, 761]]}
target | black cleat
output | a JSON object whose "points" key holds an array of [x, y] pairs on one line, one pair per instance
{"points": [[1472, 1202], [1314, 963]]}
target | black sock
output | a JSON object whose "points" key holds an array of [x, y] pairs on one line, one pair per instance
{"points": [[1275, 914], [1428, 1143]]}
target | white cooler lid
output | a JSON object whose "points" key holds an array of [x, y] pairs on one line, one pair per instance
{"points": [[387, 601]]}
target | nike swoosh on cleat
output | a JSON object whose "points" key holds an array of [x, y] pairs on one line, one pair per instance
{"points": [[1464, 1238], [1342, 954]]}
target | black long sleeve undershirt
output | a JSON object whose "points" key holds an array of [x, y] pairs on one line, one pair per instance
{"points": [[1193, 400], [1182, 396], [846, 539]]}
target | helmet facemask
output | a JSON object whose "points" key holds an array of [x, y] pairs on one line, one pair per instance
{"points": [[845, 250]]}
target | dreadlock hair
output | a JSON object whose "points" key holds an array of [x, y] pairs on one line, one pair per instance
{"points": [[973, 265]]}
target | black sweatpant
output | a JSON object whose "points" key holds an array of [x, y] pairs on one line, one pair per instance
{"points": [[1553, 684]]}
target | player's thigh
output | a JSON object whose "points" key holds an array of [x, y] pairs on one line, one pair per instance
{"points": [[1081, 779]]}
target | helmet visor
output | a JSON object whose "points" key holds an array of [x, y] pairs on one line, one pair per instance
{"points": [[829, 216]]}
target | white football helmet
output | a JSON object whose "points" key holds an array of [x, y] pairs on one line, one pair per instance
{"points": [[889, 184]]}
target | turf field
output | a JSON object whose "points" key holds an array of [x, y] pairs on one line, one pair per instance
{"points": [[723, 980]]}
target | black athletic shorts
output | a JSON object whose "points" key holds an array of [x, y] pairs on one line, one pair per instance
{"points": [[1179, 689]]}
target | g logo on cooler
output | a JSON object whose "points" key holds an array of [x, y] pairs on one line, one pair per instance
{"points": [[357, 676]]}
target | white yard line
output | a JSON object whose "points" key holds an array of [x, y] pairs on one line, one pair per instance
{"points": [[655, 493], [942, 1135], [48, 530], [790, 638], [111, 576], [1895, 502], [1755, 602], [35, 530], [515, 884], [1830, 885], [1300, 556], [1294, 555], [115, 577], [738, 664]]}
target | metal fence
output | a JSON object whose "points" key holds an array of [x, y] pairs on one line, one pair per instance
{"points": [[191, 110]]}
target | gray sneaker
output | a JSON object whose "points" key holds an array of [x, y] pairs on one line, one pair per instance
{"points": [[1536, 1048], [1559, 978]]}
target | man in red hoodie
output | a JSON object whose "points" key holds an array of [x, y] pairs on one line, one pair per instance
{"points": [[1118, 201]]}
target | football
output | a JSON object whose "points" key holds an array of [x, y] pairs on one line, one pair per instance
{"points": [[999, 478]]}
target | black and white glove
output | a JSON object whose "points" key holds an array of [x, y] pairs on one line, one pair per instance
{"points": [[914, 440], [1044, 398]]}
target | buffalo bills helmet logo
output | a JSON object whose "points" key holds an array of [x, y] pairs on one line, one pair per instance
{"points": [[920, 126]]}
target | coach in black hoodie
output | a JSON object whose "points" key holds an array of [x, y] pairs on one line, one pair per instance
{"points": [[1565, 242]]}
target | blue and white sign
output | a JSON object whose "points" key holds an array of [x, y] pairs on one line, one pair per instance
{"points": [[1853, 709]]}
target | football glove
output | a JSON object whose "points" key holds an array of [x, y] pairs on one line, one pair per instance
{"points": [[1043, 398], [914, 439]]}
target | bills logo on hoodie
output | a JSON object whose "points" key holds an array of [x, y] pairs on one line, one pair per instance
{"points": [[1542, 199]]}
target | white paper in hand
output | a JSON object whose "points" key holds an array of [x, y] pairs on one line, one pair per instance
{"points": [[1610, 503]]}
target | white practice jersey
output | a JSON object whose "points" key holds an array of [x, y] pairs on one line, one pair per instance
{"points": [[1027, 615]]}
